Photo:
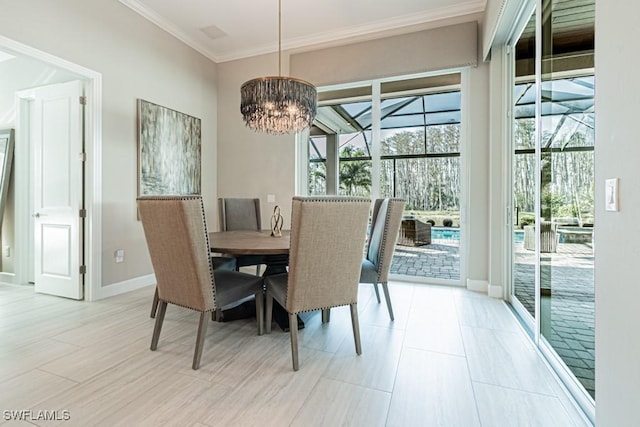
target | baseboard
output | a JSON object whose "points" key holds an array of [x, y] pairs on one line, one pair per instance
{"points": [[495, 291], [8, 278], [126, 286], [477, 285]]}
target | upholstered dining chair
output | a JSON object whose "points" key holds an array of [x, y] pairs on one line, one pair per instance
{"points": [[176, 233], [218, 262], [241, 214], [385, 226], [327, 240]]}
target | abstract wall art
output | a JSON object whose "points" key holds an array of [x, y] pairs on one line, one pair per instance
{"points": [[168, 151]]}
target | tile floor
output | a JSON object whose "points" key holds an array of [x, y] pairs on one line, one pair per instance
{"points": [[451, 358]]}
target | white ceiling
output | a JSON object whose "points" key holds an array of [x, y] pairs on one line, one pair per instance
{"points": [[246, 28]]}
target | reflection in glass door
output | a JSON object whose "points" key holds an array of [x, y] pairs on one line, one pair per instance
{"points": [[567, 143], [524, 173], [552, 156]]}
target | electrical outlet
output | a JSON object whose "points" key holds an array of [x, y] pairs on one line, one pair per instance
{"points": [[271, 198], [119, 255]]}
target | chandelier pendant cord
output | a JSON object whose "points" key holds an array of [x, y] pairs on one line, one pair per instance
{"points": [[279, 37]]}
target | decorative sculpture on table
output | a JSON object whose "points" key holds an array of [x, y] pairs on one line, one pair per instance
{"points": [[276, 222]]}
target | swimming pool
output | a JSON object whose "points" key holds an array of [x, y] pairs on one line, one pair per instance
{"points": [[453, 234], [445, 233]]}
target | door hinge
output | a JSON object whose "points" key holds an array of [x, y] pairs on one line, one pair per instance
{"points": [[82, 157], [508, 49], [83, 100], [83, 269], [83, 213]]}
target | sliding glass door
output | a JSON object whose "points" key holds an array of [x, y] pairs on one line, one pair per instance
{"points": [[552, 156], [524, 172]]}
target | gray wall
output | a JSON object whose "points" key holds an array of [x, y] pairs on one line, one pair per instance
{"points": [[272, 159], [252, 164], [137, 60], [616, 246]]}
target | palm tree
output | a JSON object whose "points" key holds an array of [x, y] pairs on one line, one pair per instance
{"points": [[355, 176]]}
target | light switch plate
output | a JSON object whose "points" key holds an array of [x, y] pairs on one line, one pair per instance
{"points": [[611, 195], [271, 198]]}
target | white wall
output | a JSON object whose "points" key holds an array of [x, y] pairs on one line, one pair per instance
{"points": [[16, 74], [617, 248], [20, 73], [137, 60]]}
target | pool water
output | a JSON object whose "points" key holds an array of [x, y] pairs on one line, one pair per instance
{"points": [[439, 233]]}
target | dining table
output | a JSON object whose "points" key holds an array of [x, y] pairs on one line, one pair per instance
{"points": [[258, 242]]}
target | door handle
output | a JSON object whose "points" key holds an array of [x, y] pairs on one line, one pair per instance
{"points": [[38, 215]]}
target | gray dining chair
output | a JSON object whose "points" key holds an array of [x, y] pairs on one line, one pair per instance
{"points": [[385, 226], [176, 233], [218, 262], [241, 214], [327, 240]]}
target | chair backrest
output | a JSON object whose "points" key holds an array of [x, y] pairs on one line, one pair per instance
{"points": [[327, 240], [385, 225], [239, 214], [176, 233]]}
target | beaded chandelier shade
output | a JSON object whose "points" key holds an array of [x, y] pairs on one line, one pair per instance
{"points": [[277, 104]]}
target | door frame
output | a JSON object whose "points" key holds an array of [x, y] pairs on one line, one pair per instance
{"points": [[93, 171]]}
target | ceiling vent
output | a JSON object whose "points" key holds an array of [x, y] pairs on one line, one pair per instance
{"points": [[213, 32]]}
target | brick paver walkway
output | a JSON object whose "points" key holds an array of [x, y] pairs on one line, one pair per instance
{"points": [[440, 260]]}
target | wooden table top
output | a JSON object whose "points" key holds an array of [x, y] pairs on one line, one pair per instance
{"points": [[246, 242]]}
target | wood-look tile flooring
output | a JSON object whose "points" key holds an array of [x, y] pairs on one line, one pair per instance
{"points": [[451, 358]]}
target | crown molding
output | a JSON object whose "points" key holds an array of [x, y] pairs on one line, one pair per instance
{"points": [[358, 31]]}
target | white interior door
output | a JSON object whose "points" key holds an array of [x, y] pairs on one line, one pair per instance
{"points": [[57, 144]]}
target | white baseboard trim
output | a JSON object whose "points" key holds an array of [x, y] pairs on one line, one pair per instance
{"points": [[126, 286], [495, 291], [9, 278], [477, 285]]}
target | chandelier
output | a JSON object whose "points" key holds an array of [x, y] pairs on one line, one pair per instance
{"points": [[277, 104]]}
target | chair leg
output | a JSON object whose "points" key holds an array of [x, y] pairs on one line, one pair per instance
{"points": [[326, 315], [269, 313], [158, 326], [293, 320], [375, 288], [385, 289], [260, 312], [356, 327], [202, 332], [154, 304]]}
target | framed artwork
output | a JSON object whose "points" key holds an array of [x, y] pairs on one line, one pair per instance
{"points": [[168, 151]]}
